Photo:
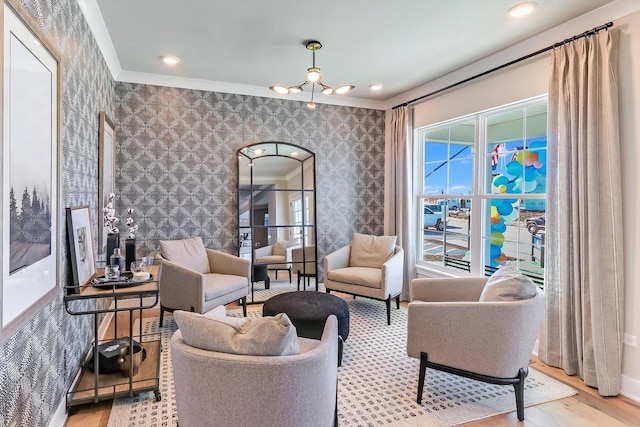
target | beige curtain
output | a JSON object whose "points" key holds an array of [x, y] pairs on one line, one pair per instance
{"points": [[400, 217], [582, 333]]}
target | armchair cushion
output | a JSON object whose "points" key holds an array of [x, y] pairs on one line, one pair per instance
{"points": [[280, 247], [371, 251], [270, 259], [189, 253], [363, 276], [266, 336], [508, 284]]}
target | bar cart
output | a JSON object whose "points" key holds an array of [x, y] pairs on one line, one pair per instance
{"points": [[92, 386]]}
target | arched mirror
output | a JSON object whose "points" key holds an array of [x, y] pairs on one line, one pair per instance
{"points": [[277, 217]]}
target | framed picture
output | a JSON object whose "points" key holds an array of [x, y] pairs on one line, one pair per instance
{"points": [[106, 173], [83, 263], [30, 238]]}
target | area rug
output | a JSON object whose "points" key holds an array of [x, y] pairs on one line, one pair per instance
{"points": [[376, 384], [276, 287]]}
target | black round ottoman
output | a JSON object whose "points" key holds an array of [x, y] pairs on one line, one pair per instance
{"points": [[308, 312]]}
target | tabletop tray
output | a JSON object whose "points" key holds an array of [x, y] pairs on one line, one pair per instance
{"points": [[124, 281]]}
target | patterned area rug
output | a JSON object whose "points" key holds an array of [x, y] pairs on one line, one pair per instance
{"points": [[276, 287], [376, 384]]}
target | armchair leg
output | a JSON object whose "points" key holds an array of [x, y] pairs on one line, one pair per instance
{"points": [[388, 304], [244, 306], [398, 302], [519, 388], [161, 314], [421, 375], [298, 288]]}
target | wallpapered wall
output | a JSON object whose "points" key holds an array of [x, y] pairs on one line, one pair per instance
{"points": [[177, 169], [38, 363], [177, 164]]}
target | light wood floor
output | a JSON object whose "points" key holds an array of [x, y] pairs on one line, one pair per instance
{"points": [[585, 409]]}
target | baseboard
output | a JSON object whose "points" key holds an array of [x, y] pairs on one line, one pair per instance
{"points": [[59, 417], [630, 387]]}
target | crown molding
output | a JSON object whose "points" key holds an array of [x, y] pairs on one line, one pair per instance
{"points": [[99, 30]]}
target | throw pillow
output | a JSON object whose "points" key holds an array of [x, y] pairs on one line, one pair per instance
{"points": [[189, 253], [508, 284], [371, 251], [281, 246], [266, 336]]}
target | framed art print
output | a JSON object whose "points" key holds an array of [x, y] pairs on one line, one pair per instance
{"points": [[83, 263], [30, 141]]}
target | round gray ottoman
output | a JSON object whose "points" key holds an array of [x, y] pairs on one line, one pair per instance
{"points": [[308, 312]]}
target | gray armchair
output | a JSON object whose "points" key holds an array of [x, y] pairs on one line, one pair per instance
{"points": [[372, 267], [211, 388], [450, 330], [193, 278], [277, 256]]}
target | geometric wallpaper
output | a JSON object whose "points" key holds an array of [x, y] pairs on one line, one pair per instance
{"points": [[38, 362], [176, 167], [177, 164]]}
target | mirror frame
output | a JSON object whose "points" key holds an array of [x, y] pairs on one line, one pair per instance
{"points": [[247, 154]]}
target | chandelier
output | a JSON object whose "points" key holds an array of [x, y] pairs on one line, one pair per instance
{"points": [[312, 77]]}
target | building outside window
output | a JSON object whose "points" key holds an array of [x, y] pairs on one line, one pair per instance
{"points": [[482, 191]]}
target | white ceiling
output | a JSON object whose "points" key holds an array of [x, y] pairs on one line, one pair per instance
{"points": [[244, 46]]}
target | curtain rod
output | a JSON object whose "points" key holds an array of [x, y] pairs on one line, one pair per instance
{"points": [[515, 61]]}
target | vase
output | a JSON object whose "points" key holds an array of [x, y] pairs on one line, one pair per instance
{"points": [[129, 252], [113, 241]]}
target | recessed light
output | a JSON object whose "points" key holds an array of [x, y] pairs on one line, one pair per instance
{"points": [[522, 9], [375, 86], [170, 59]]}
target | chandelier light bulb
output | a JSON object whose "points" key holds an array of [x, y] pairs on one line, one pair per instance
{"points": [[326, 90], [295, 89], [311, 105], [279, 89], [343, 89], [313, 75]]}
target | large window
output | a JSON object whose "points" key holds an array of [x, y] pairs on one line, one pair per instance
{"points": [[483, 191]]}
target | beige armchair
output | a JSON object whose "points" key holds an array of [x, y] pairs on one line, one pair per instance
{"points": [[278, 256], [372, 267], [193, 278], [450, 330], [211, 388], [304, 265]]}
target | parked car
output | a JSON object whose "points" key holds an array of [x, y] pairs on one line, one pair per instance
{"points": [[433, 217], [535, 224]]}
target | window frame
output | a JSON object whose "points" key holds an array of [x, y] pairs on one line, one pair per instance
{"points": [[478, 196]]}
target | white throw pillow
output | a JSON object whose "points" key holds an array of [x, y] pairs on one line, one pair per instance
{"points": [[508, 284], [189, 253], [266, 336], [371, 251]]}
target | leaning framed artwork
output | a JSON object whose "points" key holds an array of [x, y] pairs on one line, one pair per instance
{"points": [[83, 263], [29, 149], [106, 173]]}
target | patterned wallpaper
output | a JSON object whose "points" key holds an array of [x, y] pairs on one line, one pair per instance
{"points": [[177, 165], [177, 169], [38, 362]]}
